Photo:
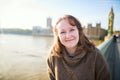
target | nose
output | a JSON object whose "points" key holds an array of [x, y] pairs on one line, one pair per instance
{"points": [[67, 36]]}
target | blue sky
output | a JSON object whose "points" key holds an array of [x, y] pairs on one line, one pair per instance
{"points": [[28, 13]]}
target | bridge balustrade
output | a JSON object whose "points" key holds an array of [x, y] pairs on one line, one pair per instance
{"points": [[104, 46]]}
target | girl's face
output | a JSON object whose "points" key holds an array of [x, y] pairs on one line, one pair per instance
{"points": [[68, 34]]}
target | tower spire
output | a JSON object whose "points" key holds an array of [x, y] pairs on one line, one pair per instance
{"points": [[111, 22]]}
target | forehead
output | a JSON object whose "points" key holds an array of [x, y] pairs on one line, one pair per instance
{"points": [[64, 24]]}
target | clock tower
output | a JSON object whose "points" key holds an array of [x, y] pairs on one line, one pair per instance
{"points": [[111, 22]]}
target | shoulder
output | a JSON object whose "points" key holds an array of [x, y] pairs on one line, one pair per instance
{"points": [[51, 58], [99, 55], [95, 53]]}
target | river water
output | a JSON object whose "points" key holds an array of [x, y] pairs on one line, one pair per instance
{"points": [[24, 57]]}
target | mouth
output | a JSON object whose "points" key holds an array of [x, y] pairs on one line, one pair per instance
{"points": [[69, 40]]}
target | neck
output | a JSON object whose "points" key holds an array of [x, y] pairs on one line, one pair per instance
{"points": [[71, 51]]}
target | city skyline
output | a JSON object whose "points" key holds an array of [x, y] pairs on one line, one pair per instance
{"points": [[28, 13]]}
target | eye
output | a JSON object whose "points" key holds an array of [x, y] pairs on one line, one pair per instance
{"points": [[72, 29], [62, 32]]}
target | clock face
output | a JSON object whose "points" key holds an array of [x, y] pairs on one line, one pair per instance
{"points": [[110, 19], [110, 23]]}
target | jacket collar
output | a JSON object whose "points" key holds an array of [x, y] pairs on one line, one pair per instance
{"points": [[73, 60]]}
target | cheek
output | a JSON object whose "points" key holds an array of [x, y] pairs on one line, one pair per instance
{"points": [[77, 35], [61, 38]]}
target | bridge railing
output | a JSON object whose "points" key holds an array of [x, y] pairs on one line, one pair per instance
{"points": [[104, 46]]}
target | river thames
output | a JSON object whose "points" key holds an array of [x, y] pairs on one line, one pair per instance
{"points": [[24, 57]]}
